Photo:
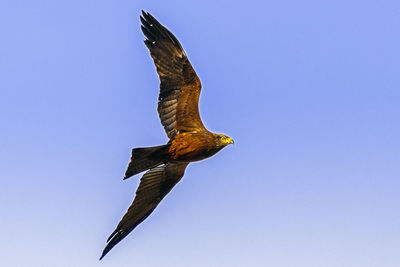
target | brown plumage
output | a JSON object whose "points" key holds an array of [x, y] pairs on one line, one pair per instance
{"points": [[179, 114]]}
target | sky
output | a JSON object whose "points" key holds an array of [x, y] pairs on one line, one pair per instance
{"points": [[309, 90]]}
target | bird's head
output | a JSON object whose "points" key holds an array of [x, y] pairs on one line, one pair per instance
{"points": [[223, 140]]}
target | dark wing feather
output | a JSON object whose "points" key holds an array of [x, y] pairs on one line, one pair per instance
{"points": [[154, 186], [180, 87]]}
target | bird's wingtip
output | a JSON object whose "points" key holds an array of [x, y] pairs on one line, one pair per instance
{"points": [[145, 13], [102, 256]]}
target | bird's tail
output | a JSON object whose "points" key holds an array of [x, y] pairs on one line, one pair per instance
{"points": [[145, 158]]}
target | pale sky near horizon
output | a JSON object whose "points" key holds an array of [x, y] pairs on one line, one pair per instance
{"points": [[309, 90]]}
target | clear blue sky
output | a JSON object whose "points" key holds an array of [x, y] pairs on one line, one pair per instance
{"points": [[309, 90]]}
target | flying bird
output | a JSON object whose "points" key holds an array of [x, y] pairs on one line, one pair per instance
{"points": [[178, 110]]}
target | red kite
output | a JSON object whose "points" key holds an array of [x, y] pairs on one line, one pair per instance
{"points": [[179, 113]]}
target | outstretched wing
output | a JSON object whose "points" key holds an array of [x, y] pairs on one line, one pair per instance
{"points": [[154, 186], [180, 87]]}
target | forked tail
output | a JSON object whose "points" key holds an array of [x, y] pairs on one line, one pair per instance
{"points": [[143, 159]]}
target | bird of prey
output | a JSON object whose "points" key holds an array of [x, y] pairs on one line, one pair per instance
{"points": [[178, 110]]}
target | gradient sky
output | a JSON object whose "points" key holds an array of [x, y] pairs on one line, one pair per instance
{"points": [[309, 91]]}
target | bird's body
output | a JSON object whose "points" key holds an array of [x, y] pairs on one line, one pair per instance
{"points": [[179, 114], [193, 146]]}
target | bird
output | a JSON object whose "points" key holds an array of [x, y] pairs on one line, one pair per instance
{"points": [[178, 110]]}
